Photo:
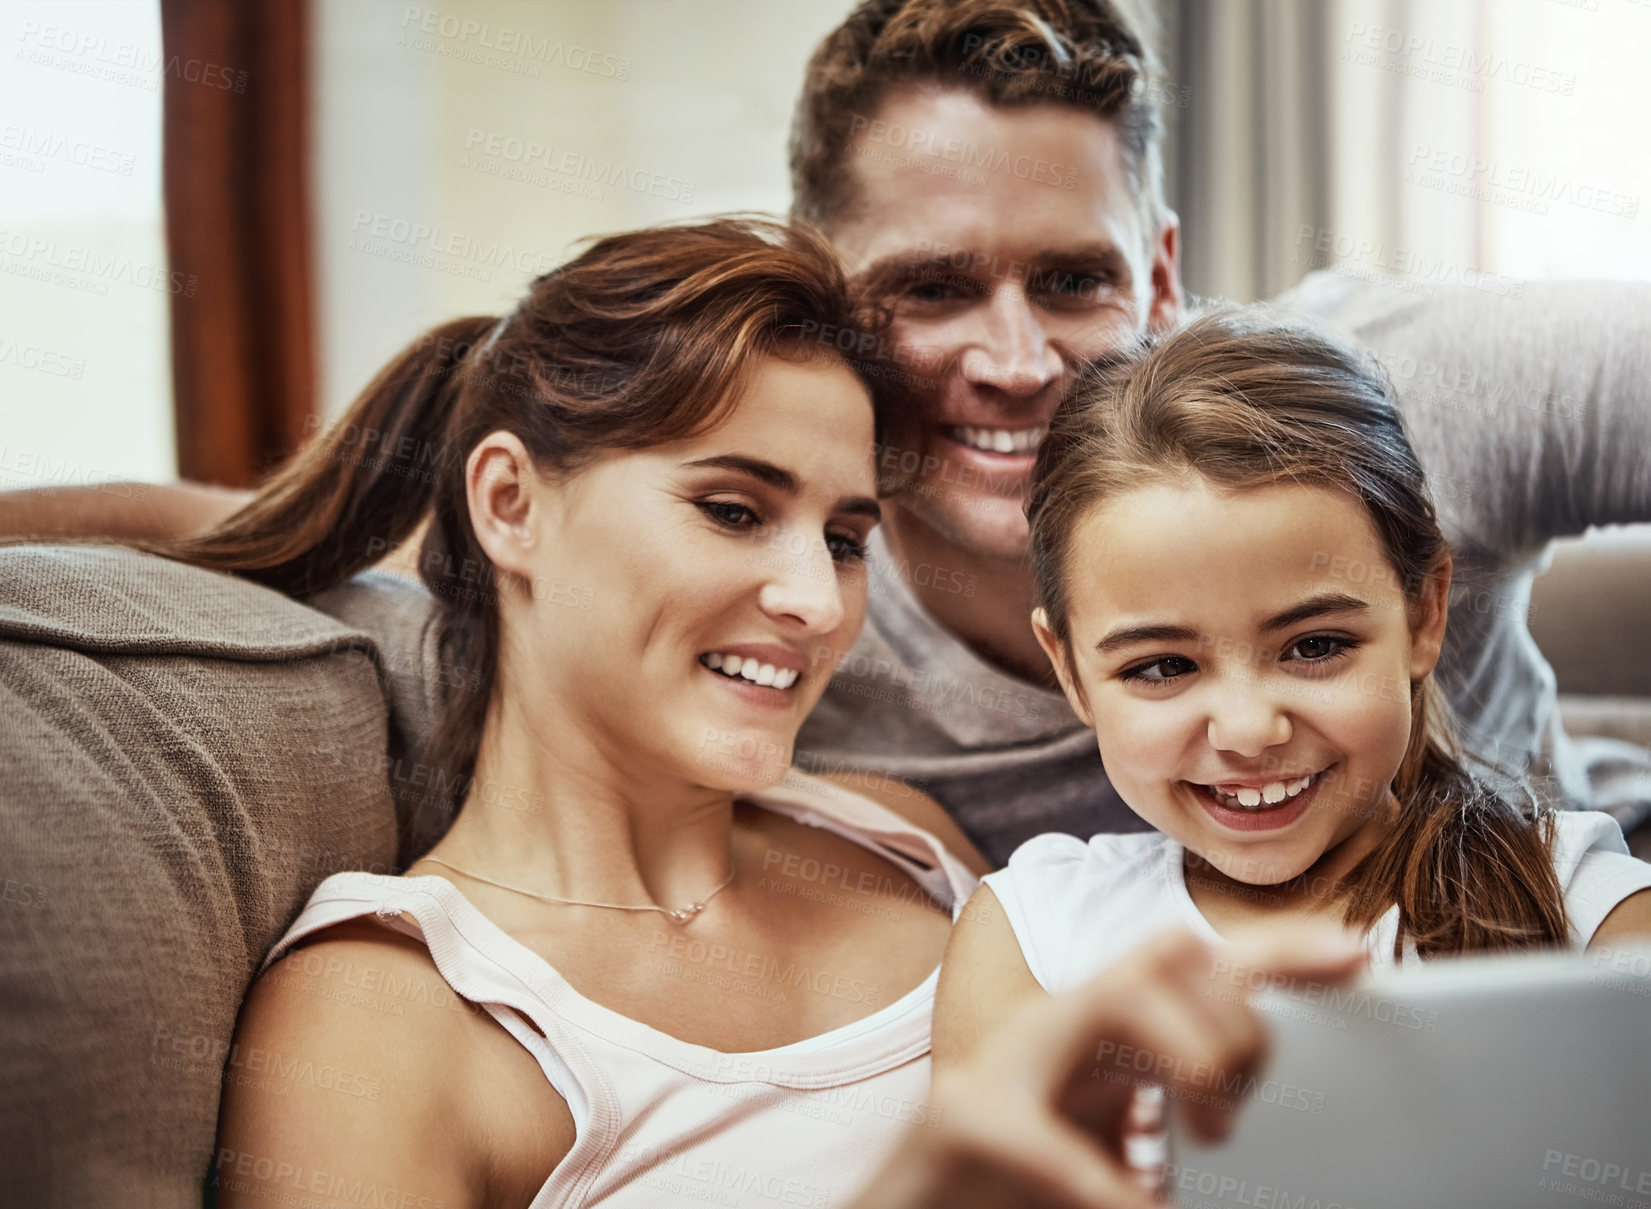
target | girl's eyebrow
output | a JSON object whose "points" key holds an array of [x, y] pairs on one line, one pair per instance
{"points": [[781, 479], [1313, 606]]}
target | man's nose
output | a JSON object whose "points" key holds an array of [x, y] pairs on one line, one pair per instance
{"points": [[1011, 349]]}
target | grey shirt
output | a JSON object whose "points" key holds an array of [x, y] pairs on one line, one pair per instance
{"points": [[1532, 418]]}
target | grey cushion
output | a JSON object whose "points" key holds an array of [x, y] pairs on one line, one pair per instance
{"points": [[185, 756]]}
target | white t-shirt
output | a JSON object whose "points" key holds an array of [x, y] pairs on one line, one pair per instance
{"points": [[1076, 907]]}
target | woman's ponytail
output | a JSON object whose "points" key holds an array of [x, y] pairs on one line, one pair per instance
{"points": [[359, 490]]}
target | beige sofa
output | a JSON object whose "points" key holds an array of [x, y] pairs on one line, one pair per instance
{"points": [[186, 755]]}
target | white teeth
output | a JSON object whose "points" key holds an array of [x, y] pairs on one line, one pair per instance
{"points": [[1001, 440], [747, 668], [1271, 793]]}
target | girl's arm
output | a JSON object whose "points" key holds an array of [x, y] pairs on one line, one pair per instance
{"points": [[337, 1082], [1026, 1121], [1628, 923], [984, 979]]}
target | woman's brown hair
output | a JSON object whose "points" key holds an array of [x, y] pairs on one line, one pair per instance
{"points": [[644, 338], [1244, 400]]}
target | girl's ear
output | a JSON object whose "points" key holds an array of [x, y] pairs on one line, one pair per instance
{"points": [[1427, 619], [500, 481], [1053, 648]]}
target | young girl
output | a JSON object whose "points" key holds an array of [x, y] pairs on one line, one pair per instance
{"points": [[1243, 589]]}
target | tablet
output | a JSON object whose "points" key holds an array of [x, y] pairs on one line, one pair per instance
{"points": [[1508, 1082]]}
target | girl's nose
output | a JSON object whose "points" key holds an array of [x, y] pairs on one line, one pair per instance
{"points": [[1246, 721]]}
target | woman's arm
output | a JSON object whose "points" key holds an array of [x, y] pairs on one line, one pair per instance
{"points": [[984, 980], [918, 809], [339, 1080], [122, 511]]}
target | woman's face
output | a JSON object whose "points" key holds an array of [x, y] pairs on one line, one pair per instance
{"points": [[1246, 660], [692, 599]]}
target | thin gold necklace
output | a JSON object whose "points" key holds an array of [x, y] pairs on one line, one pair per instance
{"points": [[680, 915]]}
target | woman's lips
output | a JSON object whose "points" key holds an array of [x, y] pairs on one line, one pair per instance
{"points": [[1263, 817]]}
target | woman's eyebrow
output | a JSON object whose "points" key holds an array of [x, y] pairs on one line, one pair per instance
{"points": [[781, 479]]}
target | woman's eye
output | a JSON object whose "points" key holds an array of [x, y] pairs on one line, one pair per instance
{"points": [[734, 516], [1319, 648], [1160, 671], [845, 548]]}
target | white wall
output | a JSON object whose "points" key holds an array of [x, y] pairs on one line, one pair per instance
{"points": [[690, 98]]}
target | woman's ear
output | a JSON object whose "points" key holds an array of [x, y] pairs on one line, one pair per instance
{"points": [[1055, 649], [502, 490], [1428, 613]]}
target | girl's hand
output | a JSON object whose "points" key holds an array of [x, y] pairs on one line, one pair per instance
{"points": [[1038, 1116]]}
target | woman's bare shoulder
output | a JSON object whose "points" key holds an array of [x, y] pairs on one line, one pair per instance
{"points": [[355, 1065]]}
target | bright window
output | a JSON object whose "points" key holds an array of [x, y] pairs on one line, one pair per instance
{"points": [[85, 369]]}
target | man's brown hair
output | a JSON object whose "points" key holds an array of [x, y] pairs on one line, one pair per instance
{"points": [[1081, 53]]}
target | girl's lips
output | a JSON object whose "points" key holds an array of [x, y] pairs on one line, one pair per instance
{"points": [[1257, 818]]}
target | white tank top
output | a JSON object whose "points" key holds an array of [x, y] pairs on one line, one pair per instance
{"points": [[660, 1121]]}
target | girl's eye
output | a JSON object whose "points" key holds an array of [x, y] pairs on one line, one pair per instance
{"points": [[845, 548], [1159, 671], [1321, 648], [728, 514]]}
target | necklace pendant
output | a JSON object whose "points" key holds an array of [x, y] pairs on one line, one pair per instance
{"points": [[683, 914]]}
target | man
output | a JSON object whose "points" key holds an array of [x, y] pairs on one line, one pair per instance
{"points": [[992, 174]]}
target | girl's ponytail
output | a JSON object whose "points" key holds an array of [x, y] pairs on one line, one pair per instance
{"points": [[1470, 871], [348, 498]]}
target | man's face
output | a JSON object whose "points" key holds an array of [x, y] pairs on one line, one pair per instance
{"points": [[1011, 247]]}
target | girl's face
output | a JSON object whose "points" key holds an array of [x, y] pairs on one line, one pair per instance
{"points": [[1245, 659], [692, 599]]}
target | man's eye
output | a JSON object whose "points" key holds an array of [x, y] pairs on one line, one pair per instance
{"points": [[930, 291], [1159, 671], [731, 515], [1321, 648]]}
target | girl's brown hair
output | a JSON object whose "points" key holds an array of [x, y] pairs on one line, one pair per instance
{"points": [[1246, 401], [645, 338]]}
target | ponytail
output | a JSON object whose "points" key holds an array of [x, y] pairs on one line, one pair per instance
{"points": [[1469, 870], [359, 490]]}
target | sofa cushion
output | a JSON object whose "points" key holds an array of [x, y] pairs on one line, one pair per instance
{"points": [[185, 756]]}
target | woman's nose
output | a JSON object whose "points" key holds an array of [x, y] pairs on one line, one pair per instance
{"points": [[803, 585]]}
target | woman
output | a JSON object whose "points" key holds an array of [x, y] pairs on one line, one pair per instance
{"points": [[626, 973]]}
